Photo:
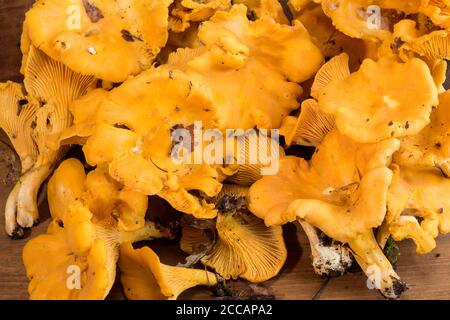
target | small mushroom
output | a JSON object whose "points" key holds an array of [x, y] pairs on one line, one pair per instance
{"points": [[245, 247], [144, 277]]}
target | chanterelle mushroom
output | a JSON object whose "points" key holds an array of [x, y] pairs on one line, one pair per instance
{"points": [[144, 277], [44, 110], [105, 38], [430, 147], [370, 105], [417, 194], [344, 204], [141, 116], [260, 53], [243, 247], [90, 220], [75, 245]]}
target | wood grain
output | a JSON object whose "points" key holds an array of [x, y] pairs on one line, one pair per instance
{"points": [[428, 276]]}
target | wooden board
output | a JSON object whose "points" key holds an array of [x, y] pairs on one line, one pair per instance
{"points": [[428, 276]]}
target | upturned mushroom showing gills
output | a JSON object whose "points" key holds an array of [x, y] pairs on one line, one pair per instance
{"points": [[44, 110], [242, 246]]}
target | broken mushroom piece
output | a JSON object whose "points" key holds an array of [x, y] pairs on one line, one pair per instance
{"points": [[53, 86], [370, 104], [376, 266], [309, 128], [438, 11], [265, 9], [186, 12], [144, 277], [417, 194], [244, 247], [76, 258], [111, 40]]}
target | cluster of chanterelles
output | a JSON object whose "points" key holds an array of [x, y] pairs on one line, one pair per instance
{"points": [[118, 78]]}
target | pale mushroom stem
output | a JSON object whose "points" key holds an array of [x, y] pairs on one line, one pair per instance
{"points": [[26, 204], [328, 260], [376, 266], [11, 226]]}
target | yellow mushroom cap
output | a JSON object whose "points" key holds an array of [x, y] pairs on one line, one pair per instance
{"points": [[237, 50], [430, 147], [325, 197], [50, 88], [65, 186], [141, 158], [186, 12], [76, 258], [265, 9], [370, 105], [143, 276], [353, 17], [72, 249], [438, 11], [109, 39]]}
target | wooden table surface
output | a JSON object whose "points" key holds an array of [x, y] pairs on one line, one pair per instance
{"points": [[427, 276]]}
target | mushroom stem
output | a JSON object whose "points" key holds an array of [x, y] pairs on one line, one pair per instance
{"points": [[11, 226], [328, 259], [376, 266], [26, 204], [181, 279]]}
